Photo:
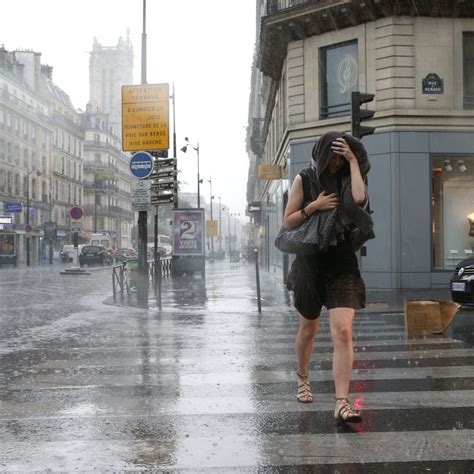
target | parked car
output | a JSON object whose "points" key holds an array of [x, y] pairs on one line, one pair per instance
{"points": [[67, 252], [124, 253], [94, 254], [462, 282]]}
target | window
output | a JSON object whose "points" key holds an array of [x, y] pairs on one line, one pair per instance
{"points": [[33, 134], [452, 210], [468, 53], [17, 184], [26, 163], [339, 76], [96, 137], [97, 157], [44, 164]]}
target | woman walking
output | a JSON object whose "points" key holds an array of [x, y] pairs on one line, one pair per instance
{"points": [[336, 178]]}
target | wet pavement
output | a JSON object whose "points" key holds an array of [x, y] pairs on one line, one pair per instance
{"points": [[208, 385]]}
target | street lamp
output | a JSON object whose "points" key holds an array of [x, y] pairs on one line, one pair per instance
{"points": [[220, 225], [195, 148], [28, 213], [212, 198], [235, 215]]}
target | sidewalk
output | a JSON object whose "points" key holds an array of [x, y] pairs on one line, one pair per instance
{"points": [[208, 385]]}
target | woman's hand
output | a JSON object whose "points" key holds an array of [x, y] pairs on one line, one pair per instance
{"points": [[340, 147], [325, 202]]}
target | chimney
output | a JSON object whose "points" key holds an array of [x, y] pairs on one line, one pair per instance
{"points": [[47, 71], [3, 57]]}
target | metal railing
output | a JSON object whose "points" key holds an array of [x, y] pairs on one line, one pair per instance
{"points": [[276, 6]]}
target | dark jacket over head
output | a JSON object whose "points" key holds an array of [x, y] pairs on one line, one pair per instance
{"points": [[351, 212]]}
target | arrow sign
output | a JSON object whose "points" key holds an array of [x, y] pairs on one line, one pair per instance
{"points": [[162, 199], [163, 186], [164, 174], [165, 163]]}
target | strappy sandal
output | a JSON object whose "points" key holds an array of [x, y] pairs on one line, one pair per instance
{"points": [[346, 413], [305, 394]]}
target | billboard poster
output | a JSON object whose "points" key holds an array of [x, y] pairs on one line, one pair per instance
{"points": [[188, 232], [7, 245]]}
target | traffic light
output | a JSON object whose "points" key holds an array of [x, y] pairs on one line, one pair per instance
{"points": [[359, 114]]}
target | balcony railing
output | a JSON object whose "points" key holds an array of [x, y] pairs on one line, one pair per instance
{"points": [[276, 6], [100, 165], [101, 146], [100, 186], [105, 209], [19, 104]]}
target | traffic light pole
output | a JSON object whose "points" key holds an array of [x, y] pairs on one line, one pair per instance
{"points": [[358, 114]]}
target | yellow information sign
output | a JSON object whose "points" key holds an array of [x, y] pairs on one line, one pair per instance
{"points": [[145, 117], [212, 229]]}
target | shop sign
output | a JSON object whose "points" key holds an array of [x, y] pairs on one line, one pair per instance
{"points": [[269, 172], [5, 220], [188, 232], [432, 84], [212, 228], [12, 207]]}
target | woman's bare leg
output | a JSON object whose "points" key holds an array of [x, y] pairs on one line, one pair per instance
{"points": [[340, 320], [304, 342]]}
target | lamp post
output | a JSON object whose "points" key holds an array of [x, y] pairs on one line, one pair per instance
{"points": [[195, 148], [212, 198], [220, 225], [28, 213], [235, 215]]}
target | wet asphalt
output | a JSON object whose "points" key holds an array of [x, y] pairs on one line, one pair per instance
{"points": [[208, 384]]}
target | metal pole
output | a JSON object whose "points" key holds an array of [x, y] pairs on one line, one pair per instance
{"points": [[220, 224], [257, 274], [142, 215], [144, 44], [174, 146], [212, 237], [27, 219], [50, 220], [199, 192]]}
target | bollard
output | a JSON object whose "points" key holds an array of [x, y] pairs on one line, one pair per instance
{"points": [[257, 273]]}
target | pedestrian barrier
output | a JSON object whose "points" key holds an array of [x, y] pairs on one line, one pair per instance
{"points": [[119, 280]]}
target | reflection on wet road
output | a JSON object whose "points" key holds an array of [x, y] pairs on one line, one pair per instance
{"points": [[208, 383]]}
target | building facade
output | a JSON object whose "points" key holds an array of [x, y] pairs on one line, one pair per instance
{"points": [[110, 68], [66, 157], [107, 181], [26, 132], [418, 60]]}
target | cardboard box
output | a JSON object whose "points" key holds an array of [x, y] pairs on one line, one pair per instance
{"points": [[429, 316]]}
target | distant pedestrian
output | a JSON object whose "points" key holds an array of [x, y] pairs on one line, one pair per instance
{"points": [[335, 178]]}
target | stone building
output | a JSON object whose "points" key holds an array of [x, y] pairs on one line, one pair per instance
{"points": [[107, 181], [66, 156], [26, 131], [417, 57], [110, 68]]}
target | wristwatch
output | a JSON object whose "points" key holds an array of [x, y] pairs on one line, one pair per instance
{"points": [[303, 212]]}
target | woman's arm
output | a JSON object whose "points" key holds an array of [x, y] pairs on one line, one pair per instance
{"points": [[341, 147], [293, 215]]}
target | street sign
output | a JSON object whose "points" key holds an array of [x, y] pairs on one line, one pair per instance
{"points": [[28, 228], [141, 165], [145, 117], [50, 230], [141, 198], [164, 174], [12, 207], [76, 212], [76, 226], [6, 220], [168, 163], [162, 199], [163, 186]]}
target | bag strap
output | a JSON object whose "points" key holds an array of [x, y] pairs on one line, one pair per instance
{"points": [[307, 194]]}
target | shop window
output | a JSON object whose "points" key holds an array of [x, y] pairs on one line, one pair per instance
{"points": [[452, 210], [339, 76], [468, 57]]}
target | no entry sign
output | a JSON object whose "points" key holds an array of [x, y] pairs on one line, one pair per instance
{"points": [[76, 213]]}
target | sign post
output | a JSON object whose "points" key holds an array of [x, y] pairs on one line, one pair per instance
{"points": [[145, 126], [76, 214]]}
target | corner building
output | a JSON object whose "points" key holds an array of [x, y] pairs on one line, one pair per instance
{"points": [[417, 57]]}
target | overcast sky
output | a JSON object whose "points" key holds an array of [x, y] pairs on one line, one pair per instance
{"points": [[205, 47]]}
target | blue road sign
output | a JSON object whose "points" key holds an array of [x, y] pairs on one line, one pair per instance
{"points": [[141, 165], [12, 207]]}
